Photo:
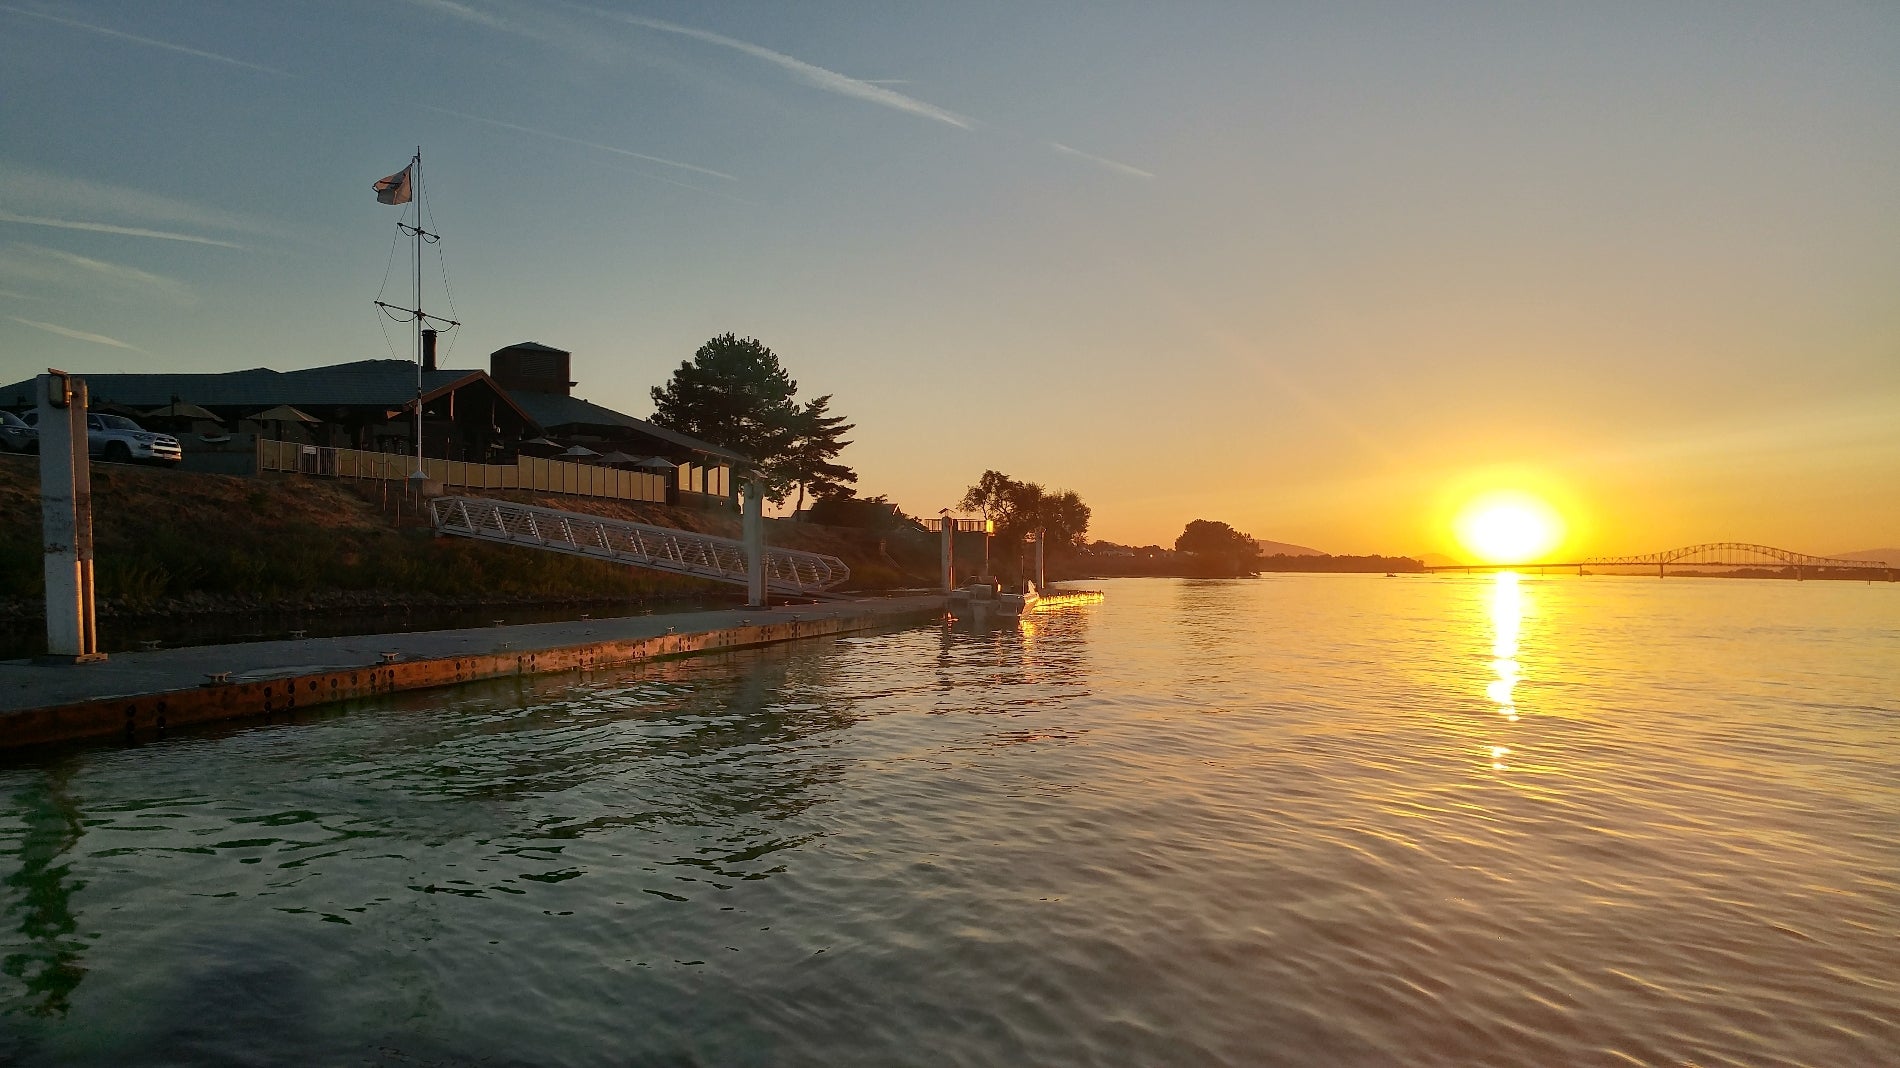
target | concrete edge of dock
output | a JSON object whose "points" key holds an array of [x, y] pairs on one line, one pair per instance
{"points": [[141, 716]]}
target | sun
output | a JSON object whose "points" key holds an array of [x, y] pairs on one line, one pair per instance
{"points": [[1508, 527]]}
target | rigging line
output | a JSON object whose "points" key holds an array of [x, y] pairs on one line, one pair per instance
{"points": [[395, 238], [382, 325], [448, 291]]}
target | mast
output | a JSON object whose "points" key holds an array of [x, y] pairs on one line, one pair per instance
{"points": [[415, 313], [419, 475]]}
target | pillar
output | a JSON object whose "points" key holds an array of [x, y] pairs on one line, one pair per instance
{"points": [[754, 520], [949, 552], [72, 627]]}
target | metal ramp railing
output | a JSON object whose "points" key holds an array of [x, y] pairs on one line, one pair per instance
{"points": [[680, 552]]}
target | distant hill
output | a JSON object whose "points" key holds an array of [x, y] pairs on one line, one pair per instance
{"points": [[1891, 556], [1282, 548], [1437, 560]]}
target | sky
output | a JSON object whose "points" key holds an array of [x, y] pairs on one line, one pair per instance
{"points": [[1322, 271]]}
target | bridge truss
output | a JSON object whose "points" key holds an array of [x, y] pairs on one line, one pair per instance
{"points": [[1728, 554], [679, 552]]}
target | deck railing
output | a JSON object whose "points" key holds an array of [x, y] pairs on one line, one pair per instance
{"points": [[527, 473]]}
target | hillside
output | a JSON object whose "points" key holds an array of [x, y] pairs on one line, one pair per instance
{"points": [[1886, 556], [1283, 548], [178, 542]]}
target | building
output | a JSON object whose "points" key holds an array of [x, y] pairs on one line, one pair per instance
{"points": [[524, 405]]}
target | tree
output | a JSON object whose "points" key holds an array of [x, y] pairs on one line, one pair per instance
{"points": [[1218, 546], [820, 437], [1022, 508], [735, 394], [1206, 537]]}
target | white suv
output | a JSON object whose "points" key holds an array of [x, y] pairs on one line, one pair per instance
{"points": [[120, 440]]}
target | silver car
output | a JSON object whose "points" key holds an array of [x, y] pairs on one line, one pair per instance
{"points": [[16, 435], [120, 440]]}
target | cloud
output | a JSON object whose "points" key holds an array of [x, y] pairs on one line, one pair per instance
{"points": [[1119, 168], [108, 228], [35, 197], [466, 14], [76, 335], [147, 41], [585, 144], [68, 271], [828, 80]]}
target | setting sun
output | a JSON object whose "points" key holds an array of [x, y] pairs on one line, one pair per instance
{"points": [[1508, 528]]}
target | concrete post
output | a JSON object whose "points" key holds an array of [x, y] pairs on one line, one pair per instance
{"points": [[949, 552], [754, 521], [72, 627], [1042, 576]]}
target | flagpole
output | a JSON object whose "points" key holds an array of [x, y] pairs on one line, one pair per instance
{"points": [[405, 187], [421, 475]]}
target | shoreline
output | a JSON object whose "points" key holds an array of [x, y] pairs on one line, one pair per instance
{"points": [[138, 696]]}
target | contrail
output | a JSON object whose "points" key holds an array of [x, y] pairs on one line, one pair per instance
{"points": [[76, 335], [577, 141], [13, 263], [108, 228], [828, 80], [1120, 168], [149, 42]]}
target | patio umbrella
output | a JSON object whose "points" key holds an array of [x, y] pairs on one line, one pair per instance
{"points": [[282, 414], [615, 459], [657, 463], [580, 452]]}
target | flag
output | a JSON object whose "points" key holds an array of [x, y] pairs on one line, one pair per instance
{"points": [[394, 189]]}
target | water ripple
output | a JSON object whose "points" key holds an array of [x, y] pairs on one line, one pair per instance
{"points": [[1304, 820]]}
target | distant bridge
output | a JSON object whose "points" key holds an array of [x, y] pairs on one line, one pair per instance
{"points": [[1708, 554]]}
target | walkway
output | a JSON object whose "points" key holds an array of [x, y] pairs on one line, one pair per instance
{"points": [[138, 695]]}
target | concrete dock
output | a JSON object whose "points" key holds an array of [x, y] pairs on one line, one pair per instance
{"points": [[134, 696]]}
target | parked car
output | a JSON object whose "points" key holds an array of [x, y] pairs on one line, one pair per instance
{"points": [[17, 435], [120, 440]]}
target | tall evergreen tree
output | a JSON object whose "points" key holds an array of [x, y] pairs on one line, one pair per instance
{"points": [[820, 440], [735, 394]]}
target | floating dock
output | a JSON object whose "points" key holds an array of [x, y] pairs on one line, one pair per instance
{"points": [[138, 696]]}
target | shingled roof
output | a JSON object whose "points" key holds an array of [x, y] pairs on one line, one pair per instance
{"points": [[554, 411], [364, 383]]}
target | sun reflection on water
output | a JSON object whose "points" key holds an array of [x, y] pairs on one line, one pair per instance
{"points": [[1507, 620], [1507, 623]]}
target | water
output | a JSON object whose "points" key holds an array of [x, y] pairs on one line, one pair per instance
{"points": [[1296, 821]]}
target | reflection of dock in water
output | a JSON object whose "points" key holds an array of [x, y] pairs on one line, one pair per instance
{"points": [[1065, 598], [984, 598]]}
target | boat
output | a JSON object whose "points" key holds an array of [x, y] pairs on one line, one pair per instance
{"points": [[990, 597]]}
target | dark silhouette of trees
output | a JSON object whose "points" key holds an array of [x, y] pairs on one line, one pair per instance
{"points": [[1206, 537], [1022, 508], [735, 394], [1217, 549], [820, 440]]}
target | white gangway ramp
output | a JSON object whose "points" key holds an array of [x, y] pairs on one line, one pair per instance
{"points": [[681, 552]]}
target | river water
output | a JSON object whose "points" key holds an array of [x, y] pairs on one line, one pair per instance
{"points": [[1304, 820]]}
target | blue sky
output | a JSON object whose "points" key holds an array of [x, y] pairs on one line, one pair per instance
{"points": [[1316, 270]]}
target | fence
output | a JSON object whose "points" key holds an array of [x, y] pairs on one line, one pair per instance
{"points": [[527, 473]]}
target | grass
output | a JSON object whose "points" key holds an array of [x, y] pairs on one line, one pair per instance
{"points": [[161, 535]]}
